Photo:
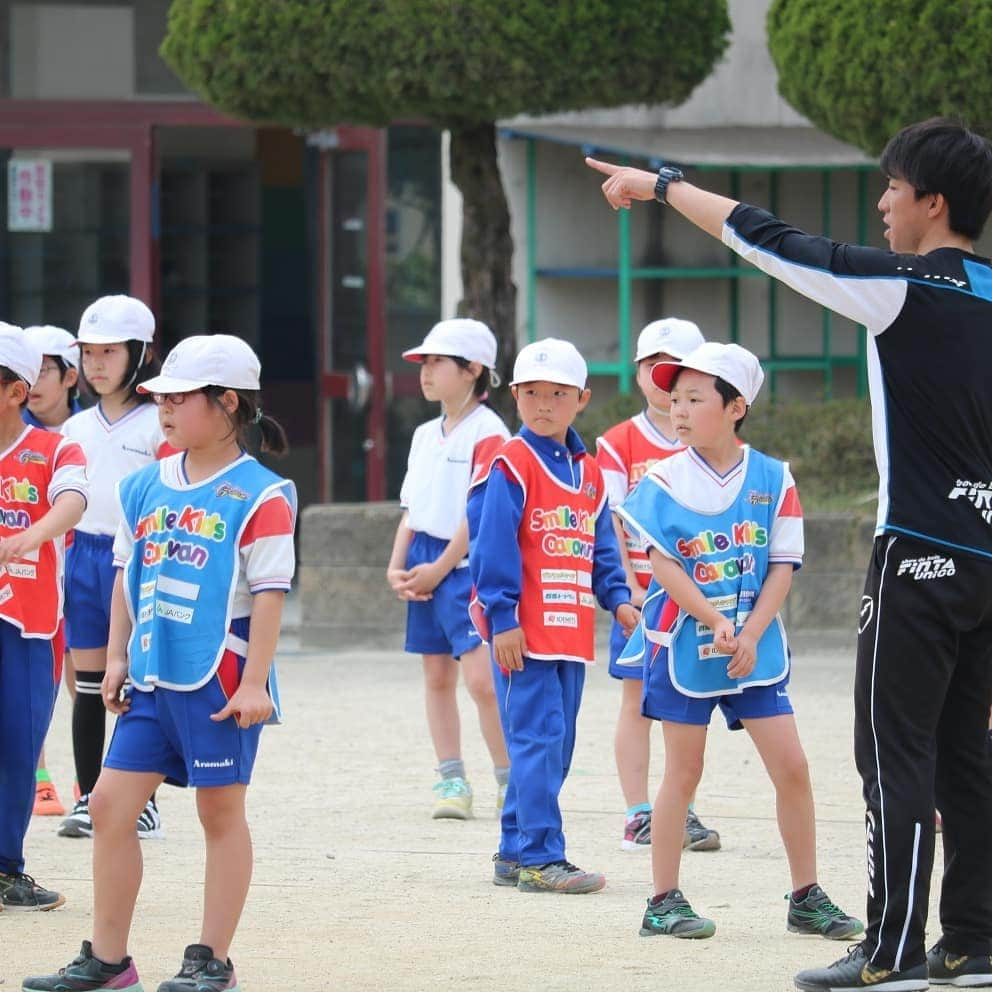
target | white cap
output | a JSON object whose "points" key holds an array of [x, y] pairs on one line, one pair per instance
{"points": [[671, 336], [55, 341], [19, 353], [112, 319], [550, 360], [460, 337], [731, 362], [206, 360]]}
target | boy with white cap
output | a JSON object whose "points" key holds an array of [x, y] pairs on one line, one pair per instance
{"points": [[119, 435], [428, 567], [43, 494], [625, 453], [543, 550], [52, 400], [723, 525]]}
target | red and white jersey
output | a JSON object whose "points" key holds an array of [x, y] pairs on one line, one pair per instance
{"points": [[34, 471], [113, 450], [557, 538], [694, 484], [266, 557], [441, 466], [625, 453]]}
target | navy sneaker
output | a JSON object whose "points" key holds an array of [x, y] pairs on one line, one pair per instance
{"points": [[202, 972], [85, 973], [856, 972], [971, 971]]}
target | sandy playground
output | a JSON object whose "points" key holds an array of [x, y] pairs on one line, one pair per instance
{"points": [[356, 888]]}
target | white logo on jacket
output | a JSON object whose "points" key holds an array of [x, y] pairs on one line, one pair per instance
{"points": [[930, 567]]}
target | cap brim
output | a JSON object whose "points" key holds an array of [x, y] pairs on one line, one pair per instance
{"points": [[558, 378], [170, 384], [663, 373], [90, 338]]}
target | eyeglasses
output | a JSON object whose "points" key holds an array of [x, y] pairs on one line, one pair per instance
{"points": [[173, 399]]}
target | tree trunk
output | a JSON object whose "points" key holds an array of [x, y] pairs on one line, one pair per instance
{"points": [[489, 293]]}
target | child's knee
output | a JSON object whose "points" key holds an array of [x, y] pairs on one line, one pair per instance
{"points": [[107, 813], [792, 772], [440, 673], [685, 774], [220, 809], [480, 686]]}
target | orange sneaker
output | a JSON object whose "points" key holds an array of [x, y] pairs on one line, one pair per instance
{"points": [[46, 800]]}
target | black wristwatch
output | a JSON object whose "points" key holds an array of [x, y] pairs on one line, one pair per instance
{"points": [[666, 174]]}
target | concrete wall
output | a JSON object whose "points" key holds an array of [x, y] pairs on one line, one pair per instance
{"points": [[345, 601]]}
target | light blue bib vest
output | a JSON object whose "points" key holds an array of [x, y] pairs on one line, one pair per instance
{"points": [[726, 555], [181, 578]]}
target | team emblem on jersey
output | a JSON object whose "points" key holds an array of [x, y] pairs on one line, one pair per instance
{"points": [[590, 490], [760, 499], [34, 457], [226, 489]]}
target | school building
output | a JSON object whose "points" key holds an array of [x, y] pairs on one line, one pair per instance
{"points": [[333, 251]]}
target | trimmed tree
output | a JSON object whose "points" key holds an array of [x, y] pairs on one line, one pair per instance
{"points": [[861, 71], [462, 65]]}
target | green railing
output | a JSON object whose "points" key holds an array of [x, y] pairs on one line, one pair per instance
{"points": [[625, 273]]}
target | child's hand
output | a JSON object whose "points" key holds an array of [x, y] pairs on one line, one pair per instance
{"points": [[628, 616], [249, 705], [745, 656], [398, 579], [509, 649], [113, 682], [16, 546], [724, 636], [422, 580], [637, 594]]}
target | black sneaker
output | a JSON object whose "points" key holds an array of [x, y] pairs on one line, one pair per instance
{"points": [[816, 914], [86, 973], [202, 972], [856, 972], [971, 971], [674, 917], [21, 892]]}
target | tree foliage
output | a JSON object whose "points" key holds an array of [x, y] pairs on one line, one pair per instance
{"points": [[861, 69], [320, 62]]}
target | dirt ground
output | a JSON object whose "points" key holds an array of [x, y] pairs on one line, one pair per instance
{"points": [[356, 888]]}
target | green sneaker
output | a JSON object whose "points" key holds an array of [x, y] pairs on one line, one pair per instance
{"points": [[674, 917], [817, 915], [973, 971], [505, 872], [454, 800], [559, 876]]}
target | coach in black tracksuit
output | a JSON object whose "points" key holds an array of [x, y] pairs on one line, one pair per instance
{"points": [[924, 665]]}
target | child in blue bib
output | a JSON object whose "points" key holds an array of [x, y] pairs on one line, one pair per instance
{"points": [[205, 558], [723, 527]]}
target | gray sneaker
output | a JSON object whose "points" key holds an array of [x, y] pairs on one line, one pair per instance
{"points": [[21, 893], [697, 837], [674, 917], [973, 971], [559, 876], [505, 872]]}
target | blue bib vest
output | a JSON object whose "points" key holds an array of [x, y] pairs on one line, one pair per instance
{"points": [[726, 555], [182, 576]]}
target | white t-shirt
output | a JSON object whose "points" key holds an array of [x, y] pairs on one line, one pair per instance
{"points": [[266, 556], [441, 466], [112, 451]]}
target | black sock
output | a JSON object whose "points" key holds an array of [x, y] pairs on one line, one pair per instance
{"points": [[89, 720]]}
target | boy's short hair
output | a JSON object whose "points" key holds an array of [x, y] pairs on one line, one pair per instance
{"points": [[941, 155], [728, 393]]}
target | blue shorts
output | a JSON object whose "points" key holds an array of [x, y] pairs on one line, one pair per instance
{"points": [[662, 701], [617, 642], [440, 625], [89, 583], [171, 733]]}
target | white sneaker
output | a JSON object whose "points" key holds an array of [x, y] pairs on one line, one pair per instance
{"points": [[78, 822], [150, 822], [454, 800]]}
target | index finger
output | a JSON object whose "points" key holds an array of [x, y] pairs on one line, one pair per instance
{"points": [[607, 168]]}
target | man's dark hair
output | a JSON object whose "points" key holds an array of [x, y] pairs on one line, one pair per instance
{"points": [[727, 393], [941, 155]]}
